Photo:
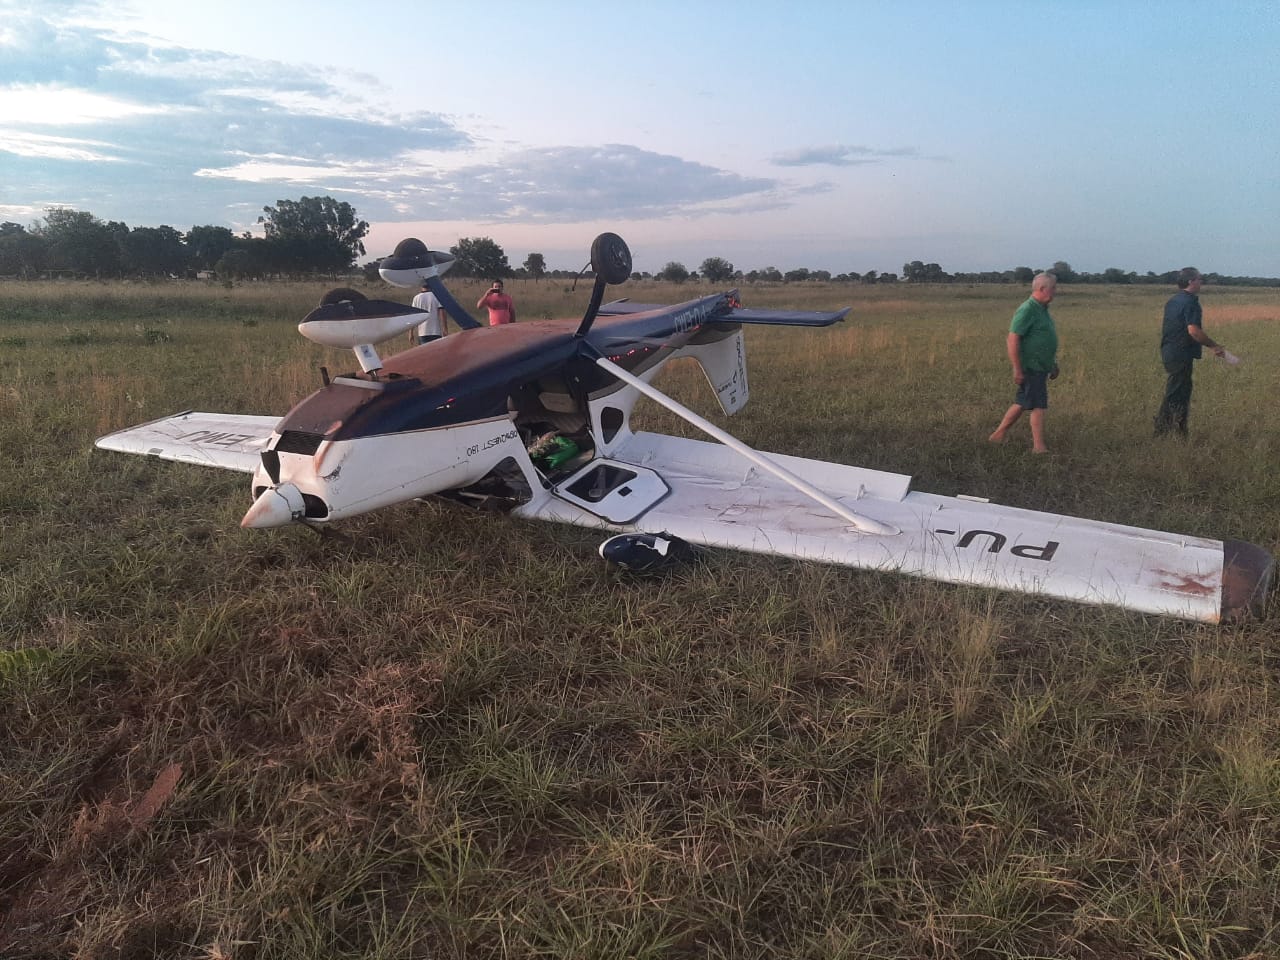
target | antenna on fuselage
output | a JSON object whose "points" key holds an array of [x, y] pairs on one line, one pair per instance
{"points": [[611, 263]]}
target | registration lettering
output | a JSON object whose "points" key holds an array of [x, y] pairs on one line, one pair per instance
{"points": [[217, 438], [995, 542], [688, 319]]}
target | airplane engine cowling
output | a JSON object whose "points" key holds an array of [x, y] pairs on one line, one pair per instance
{"points": [[351, 477]]}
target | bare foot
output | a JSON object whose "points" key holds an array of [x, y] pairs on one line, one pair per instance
{"points": [[1039, 449], [996, 437]]}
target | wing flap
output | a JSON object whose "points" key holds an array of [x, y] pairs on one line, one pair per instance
{"points": [[223, 440]]}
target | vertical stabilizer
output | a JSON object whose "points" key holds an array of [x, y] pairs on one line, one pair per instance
{"points": [[724, 361]]}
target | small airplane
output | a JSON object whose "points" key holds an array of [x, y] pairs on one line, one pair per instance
{"points": [[534, 418]]}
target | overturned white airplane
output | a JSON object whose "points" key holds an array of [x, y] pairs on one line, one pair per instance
{"points": [[535, 418]]}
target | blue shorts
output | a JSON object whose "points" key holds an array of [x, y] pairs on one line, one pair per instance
{"points": [[1033, 392]]}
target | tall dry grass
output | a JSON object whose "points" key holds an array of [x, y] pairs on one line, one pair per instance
{"points": [[453, 734]]}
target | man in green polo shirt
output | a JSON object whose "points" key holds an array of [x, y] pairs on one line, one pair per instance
{"points": [[1032, 345]]}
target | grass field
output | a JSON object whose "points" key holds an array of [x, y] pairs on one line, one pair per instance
{"points": [[460, 735]]}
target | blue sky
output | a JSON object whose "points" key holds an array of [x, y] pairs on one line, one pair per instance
{"points": [[838, 136]]}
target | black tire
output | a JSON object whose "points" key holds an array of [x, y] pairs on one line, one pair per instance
{"points": [[338, 294], [611, 258], [410, 247]]}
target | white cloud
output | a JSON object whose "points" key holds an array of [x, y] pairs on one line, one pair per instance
{"points": [[21, 211], [839, 155], [34, 145], [283, 170], [50, 105]]}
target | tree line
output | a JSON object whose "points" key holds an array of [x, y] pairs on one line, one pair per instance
{"points": [[719, 270], [314, 235], [322, 236]]}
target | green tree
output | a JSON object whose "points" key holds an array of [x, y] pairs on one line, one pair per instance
{"points": [[235, 264], [253, 257], [320, 230], [206, 245], [716, 269], [913, 272], [22, 254], [479, 257], [79, 241], [536, 265], [674, 271], [1023, 275], [796, 275], [153, 251], [303, 255], [1116, 275], [1062, 270]]}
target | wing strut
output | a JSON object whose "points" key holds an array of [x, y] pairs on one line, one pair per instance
{"points": [[860, 523]]}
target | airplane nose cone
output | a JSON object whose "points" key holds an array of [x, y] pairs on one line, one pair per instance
{"points": [[275, 507]]}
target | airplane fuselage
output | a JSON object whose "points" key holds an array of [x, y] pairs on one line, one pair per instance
{"points": [[444, 414]]}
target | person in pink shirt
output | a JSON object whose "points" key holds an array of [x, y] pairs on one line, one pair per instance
{"points": [[501, 307]]}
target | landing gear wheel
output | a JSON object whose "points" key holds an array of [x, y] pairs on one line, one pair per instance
{"points": [[339, 294], [410, 247], [611, 258]]}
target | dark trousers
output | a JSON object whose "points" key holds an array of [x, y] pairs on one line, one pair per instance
{"points": [[1177, 399]]}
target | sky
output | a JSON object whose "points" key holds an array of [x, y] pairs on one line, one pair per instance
{"points": [[847, 136]]}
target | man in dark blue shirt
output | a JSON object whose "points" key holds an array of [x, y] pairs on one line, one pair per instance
{"points": [[1182, 339]]}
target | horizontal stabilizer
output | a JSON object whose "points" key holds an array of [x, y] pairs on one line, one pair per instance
{"points": [[223, 440], [785, 318]]}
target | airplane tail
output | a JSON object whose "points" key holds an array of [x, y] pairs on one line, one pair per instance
{"points": [[720, 348]]}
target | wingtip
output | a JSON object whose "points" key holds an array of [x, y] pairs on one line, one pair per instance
{"points": [[1247, 573]]}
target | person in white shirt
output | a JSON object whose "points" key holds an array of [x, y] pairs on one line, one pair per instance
{"points": [[433, 327]]}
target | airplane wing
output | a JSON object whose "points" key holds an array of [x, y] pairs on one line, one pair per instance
{"points": [[224, 440], [705, 493]]}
